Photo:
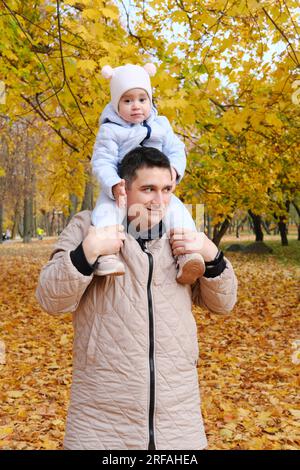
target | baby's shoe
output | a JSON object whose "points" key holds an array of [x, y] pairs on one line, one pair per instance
{"points": [[190, 268], [110, 265]]}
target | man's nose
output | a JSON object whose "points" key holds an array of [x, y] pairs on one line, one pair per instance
{"points": [[158, 198]]}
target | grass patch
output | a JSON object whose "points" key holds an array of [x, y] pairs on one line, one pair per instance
{"points": [[288, 255]]}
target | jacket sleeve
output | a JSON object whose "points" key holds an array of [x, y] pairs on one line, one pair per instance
{"points": [[217, 294], [61, 285], [174, 148], [105, 159]]}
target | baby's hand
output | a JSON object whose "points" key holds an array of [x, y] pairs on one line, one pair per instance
{"points": [[119, 193]]}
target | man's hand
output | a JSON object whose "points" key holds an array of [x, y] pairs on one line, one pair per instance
{"points": [[102, 241], [119, 193], [185, 241]]}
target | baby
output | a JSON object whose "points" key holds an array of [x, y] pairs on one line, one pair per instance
{"points": [[128, 121]]}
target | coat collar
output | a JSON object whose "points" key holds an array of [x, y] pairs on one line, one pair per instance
{"points": [[153, 233]]}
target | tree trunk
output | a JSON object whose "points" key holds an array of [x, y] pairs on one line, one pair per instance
{"points": [[34, 216], [64, 221], [298, 212], [256, 220], [282, 226], [266, 227], [220, 232], [46, 223], [73, 203], [87, 201], [283, 231], [52, 223], [250, 224], [16, 222], [27, 221], [207, 224], [239, 226], [1, 221], [28, 194]]}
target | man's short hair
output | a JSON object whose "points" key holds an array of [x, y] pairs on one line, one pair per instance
{"points": [[142, 157]]}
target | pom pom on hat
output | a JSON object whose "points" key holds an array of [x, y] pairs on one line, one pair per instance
{"points": [[107, 71], [150, 69]]}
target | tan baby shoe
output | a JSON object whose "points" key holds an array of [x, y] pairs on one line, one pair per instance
{"points": [[110, 265], [190, 268]]}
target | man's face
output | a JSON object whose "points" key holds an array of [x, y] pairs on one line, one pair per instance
{"points": [[149, 196]]}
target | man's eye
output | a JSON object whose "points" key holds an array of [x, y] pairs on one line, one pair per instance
{"points": [[148, 190]]}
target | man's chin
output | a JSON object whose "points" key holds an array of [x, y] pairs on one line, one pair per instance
{"points": [[154, 218]]}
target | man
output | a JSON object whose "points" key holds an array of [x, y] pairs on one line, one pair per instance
{"points": [[135, 381]]}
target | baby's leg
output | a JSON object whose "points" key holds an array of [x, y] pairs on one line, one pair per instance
{"points": [[177, 216], [191, 266], [105, 213]]}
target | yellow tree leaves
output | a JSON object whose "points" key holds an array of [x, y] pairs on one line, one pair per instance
{"points": [[226, 80], [237, 64], [51, 58]]}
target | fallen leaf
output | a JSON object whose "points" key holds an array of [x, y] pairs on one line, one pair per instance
{"points": [[15, 394], [5, 431], [295, 413]]}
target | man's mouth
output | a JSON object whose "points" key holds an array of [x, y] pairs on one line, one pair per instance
{"points": [[160, 209]]}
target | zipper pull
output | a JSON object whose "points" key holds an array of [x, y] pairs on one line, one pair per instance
{"points": [[142, 244]]}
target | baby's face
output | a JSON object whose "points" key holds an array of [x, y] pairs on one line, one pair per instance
{"points": [[135, 106]]}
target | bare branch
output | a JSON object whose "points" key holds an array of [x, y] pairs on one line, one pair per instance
{"points": [[294, 59]]}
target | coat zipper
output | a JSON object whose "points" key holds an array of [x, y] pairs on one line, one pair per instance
{"points": [[151, 445]]}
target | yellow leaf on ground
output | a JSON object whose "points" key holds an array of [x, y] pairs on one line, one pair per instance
{"points": [[226, 433], [15, 394], [53, 366], [271, 430], [295, 413], [5, 431], [49, 445], [64, 340]]}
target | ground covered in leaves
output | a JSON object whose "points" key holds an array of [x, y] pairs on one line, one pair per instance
{"points": [[249, 385]]}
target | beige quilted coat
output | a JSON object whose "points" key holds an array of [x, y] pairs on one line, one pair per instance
{"points": [[134, 381]]}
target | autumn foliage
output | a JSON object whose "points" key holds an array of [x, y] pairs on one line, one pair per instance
{"points": [[228, 80], [249, 384]]}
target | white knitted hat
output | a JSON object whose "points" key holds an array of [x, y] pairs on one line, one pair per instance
{"points": [[126, 77]]}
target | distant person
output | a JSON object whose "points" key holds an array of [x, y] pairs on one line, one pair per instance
{"points": [[40, 233], [7, 234]]}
